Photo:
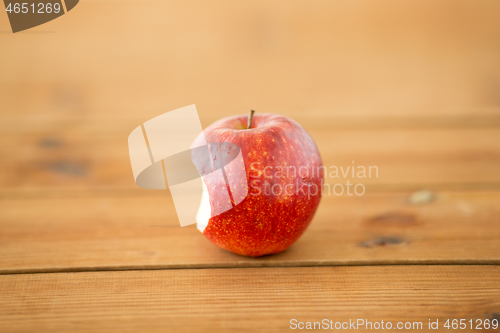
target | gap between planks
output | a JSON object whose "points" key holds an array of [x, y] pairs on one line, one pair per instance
{"points": [[267, 264]]}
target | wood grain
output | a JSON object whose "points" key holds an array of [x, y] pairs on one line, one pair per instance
{"points": [[246, 300], [383, 58], [412, 88], [372, 82], [114, 233], [80, 159]]}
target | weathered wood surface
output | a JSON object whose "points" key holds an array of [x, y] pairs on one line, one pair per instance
{"points": [[113, 233], [80, 159], [379, 58], [246, 300], [412, 88]]}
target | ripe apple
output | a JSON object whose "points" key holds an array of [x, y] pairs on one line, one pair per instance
{"points": [[284, 178]]}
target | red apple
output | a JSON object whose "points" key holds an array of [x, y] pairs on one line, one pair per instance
{"points": [[284, 177]]}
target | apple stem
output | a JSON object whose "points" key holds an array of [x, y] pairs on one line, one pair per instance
{"points": [[250, 117]]}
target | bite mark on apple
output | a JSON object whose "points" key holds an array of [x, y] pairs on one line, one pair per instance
{"points": [[204, 211]]}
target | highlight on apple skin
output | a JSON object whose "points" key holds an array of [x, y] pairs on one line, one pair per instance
{"points": [[284, 176]]}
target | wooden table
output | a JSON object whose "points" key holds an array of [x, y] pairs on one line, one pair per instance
{"points": [[410, 87]]}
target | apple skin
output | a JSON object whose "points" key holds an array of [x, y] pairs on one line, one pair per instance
{"points": [[266, 221]]}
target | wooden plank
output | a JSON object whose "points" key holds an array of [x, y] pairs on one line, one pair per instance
{"points": [[66, 123], [115, 233], [247, 300], [385, 58], [75, 158]]}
